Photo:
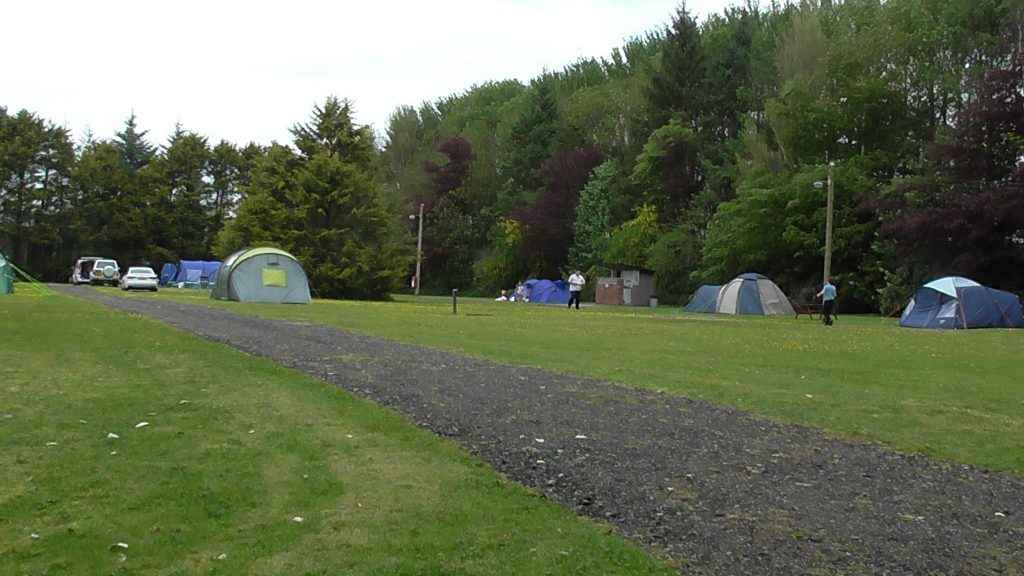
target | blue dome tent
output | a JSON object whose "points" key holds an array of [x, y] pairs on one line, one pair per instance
{"points": [[196, 273], [704, 299], [167, 274], [954, 302], [547, 291]]}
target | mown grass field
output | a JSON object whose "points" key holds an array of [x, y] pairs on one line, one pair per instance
{"points": [[127, 447], [955, 395]]}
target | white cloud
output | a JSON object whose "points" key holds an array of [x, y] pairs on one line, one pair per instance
{"points": [[246, 71]]}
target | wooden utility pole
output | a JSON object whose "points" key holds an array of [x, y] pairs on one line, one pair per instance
{"points": [[828, 221], [419, 250]]}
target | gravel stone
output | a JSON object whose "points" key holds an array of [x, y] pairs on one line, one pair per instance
{"points": [[718, 490]]}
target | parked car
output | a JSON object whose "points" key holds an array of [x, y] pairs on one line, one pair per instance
{"points": [[81, 272], [105, 271], [140, 278]]}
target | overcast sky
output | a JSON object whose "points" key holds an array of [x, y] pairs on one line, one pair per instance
{"points": [[249, 70]]}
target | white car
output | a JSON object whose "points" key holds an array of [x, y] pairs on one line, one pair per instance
{"points": [[140, 278]]}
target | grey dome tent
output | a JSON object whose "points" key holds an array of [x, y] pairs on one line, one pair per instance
{"points": [[262, 275], [752, 294]]}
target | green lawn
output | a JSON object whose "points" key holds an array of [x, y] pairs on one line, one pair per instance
{"points": [[242, 467], [956, 395]]}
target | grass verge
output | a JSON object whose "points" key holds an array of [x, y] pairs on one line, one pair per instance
{"points": [[130, 448]]}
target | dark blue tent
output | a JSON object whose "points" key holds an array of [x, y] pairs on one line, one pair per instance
{"points": [[955, 302], [704, 299], [196, 273], [547, 291], [167, 274]]}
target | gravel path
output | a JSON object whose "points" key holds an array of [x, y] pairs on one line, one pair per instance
{"points": [[718, 490]]}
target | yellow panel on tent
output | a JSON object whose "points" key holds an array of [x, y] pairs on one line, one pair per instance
{"points": [[274, 277]]}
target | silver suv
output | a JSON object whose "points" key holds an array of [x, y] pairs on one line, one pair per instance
{"points": [[96, 270]]}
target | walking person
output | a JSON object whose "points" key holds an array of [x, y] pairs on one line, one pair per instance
{"points": [[576, 282], [828, 301]]}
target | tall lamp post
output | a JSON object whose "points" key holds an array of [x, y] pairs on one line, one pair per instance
{"points": [[419, 250], [828, 218]]}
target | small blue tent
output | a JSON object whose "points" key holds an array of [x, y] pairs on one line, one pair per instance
{"points": [[196, 273], [704, 299], [167, 274], [955, 302], [547, 291]]}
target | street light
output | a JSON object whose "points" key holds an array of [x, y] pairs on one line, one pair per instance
{"points": [[419, 250], [828, 218]]}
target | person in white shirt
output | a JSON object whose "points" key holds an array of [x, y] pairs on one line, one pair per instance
{"points": [[576, 282]]}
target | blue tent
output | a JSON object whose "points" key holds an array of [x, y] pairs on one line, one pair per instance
{"points": [[196, 273], [167, 274], [704, 299], [547, 291], [955, 302]]}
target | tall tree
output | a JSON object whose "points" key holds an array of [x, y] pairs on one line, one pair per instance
{"points": [[330, 130], [964, 214], [776, 226], [669, 170], [228, 172], [676, 89], [631, 241], [267, 214], [593, 224], [547, 223], [135, 150], [325, 206], [112, 212], [185, 194], [35, 160], [531, 143], [453, 229]]}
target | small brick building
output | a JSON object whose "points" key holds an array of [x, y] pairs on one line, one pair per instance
{"points": [[627, 286]]}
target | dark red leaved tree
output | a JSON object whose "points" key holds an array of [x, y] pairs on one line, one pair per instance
{"points": [[547, 223], [966, 215]]}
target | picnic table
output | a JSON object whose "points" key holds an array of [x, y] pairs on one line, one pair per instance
{"points": [[812, 309]]}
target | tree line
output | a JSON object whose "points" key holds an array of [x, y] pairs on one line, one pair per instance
{"points": [[692, 151]]}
